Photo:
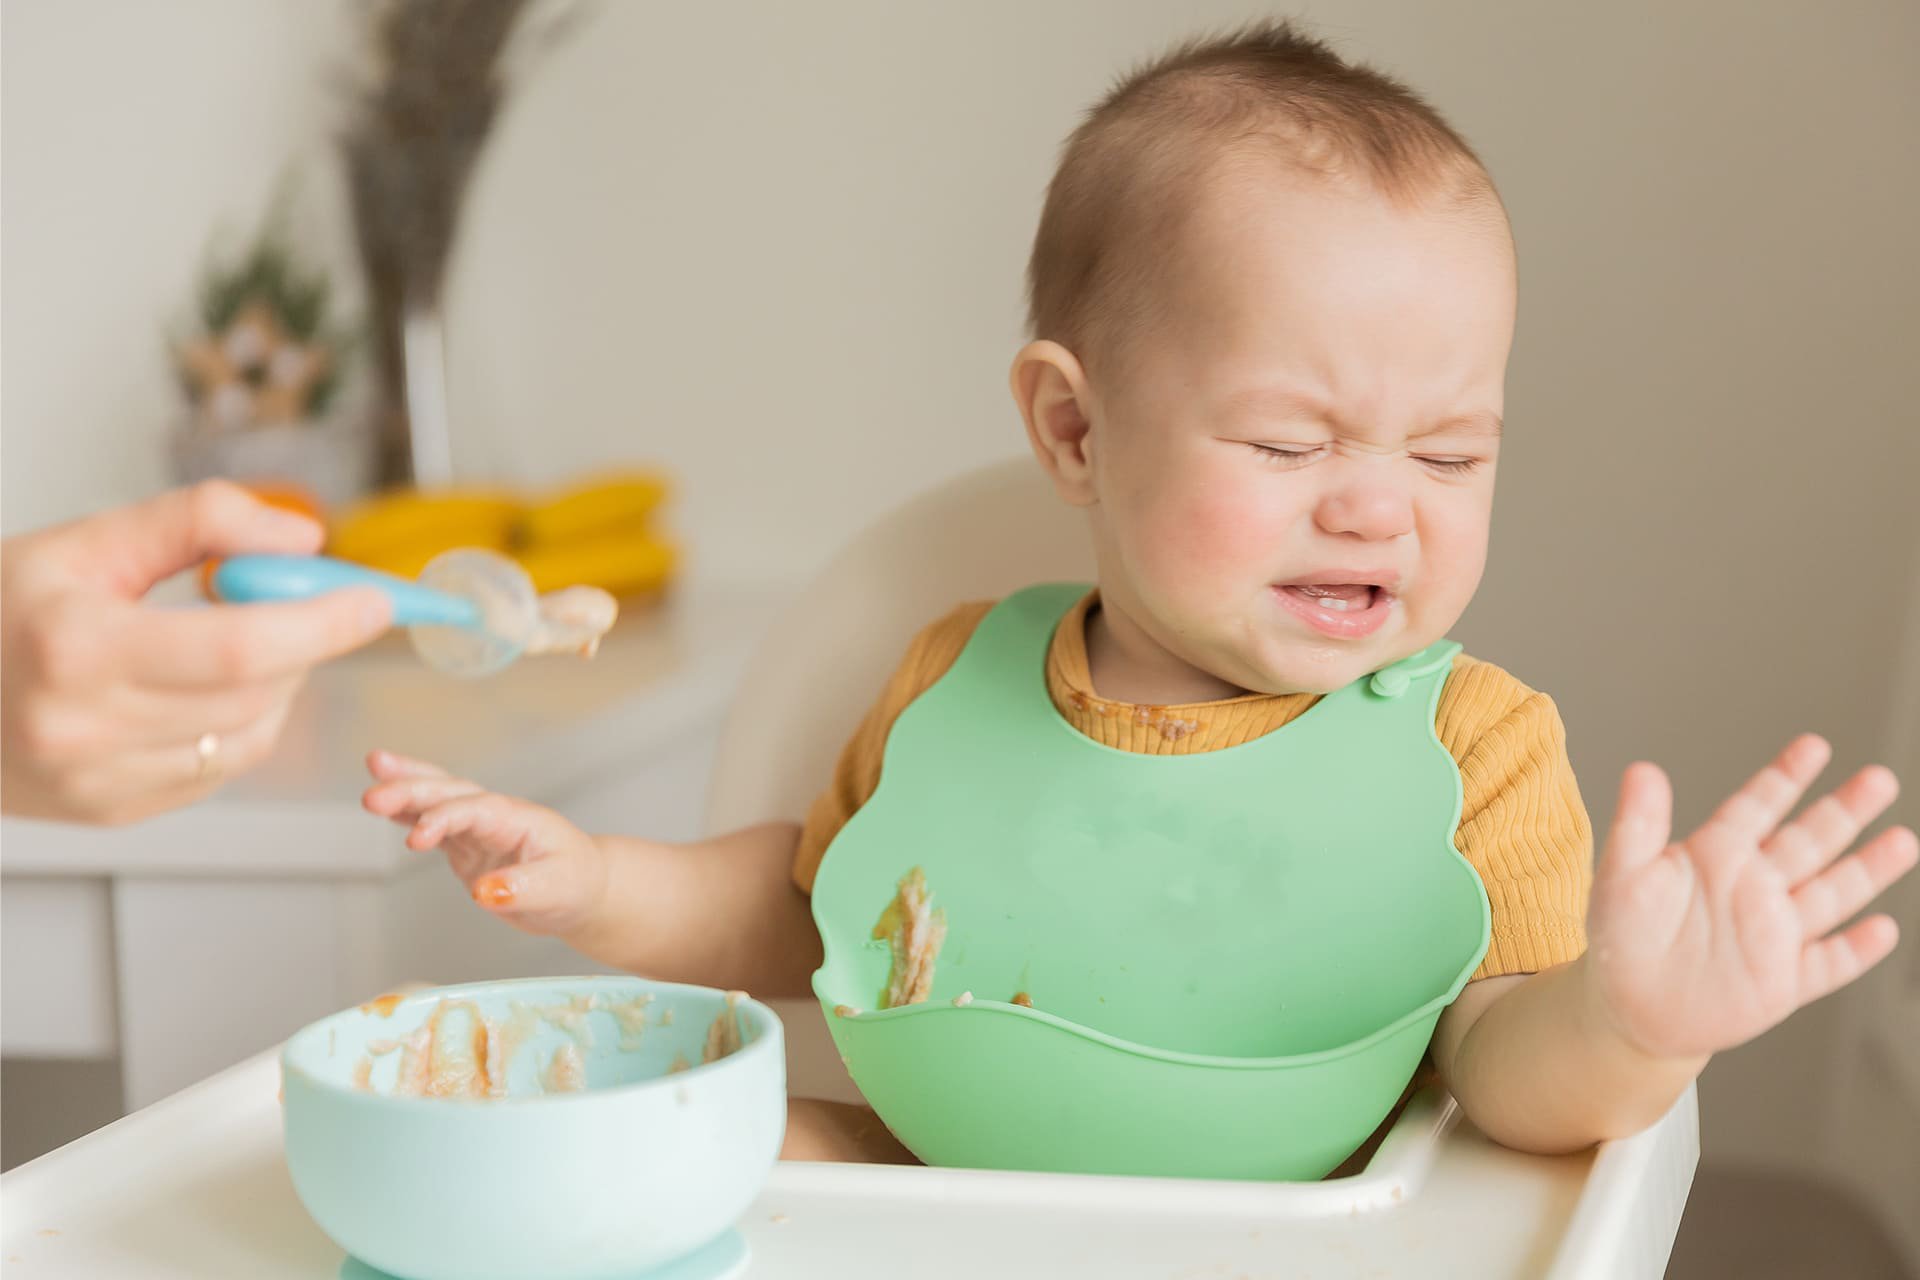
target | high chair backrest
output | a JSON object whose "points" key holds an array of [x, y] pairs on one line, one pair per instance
{"points": [[978, 537], [823, 663]]}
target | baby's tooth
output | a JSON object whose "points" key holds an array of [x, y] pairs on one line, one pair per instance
{"points": [[1338, 606]]}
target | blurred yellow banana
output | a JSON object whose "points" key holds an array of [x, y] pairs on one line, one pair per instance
{"points": [[627, 561], [597, 534], [405, 562], [615, 501], [403, 523]]}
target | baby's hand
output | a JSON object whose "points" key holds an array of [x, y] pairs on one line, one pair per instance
{"points": [[526, 864], [1702, 945]]}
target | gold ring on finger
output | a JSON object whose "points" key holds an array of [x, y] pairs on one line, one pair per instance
{"points": [[207, 750]]}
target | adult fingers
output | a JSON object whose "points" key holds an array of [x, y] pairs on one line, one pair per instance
{"points": [[133, 547], [225, 645]]}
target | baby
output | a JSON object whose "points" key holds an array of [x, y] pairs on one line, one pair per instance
{"points": [[1272, 298]]}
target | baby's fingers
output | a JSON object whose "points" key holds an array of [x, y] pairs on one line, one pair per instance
{"points": [[548, 895], [1852, 883], [1642, 822], [1769, 796], [1832, 963], [405, 799], [389, 766], [492, 822], [1831, 823], [524, 863]]}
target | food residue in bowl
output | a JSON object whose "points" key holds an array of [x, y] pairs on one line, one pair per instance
{"points": [[447, 1057], [566, 1072], [631, 1017], [459, 1053], [913, 931], [724, 1036], [569, 1016]]}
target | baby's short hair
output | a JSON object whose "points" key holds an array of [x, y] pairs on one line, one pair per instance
{"points": [[1128, 174]]}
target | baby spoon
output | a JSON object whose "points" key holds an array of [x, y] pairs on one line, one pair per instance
{"points": [[471, 613]]}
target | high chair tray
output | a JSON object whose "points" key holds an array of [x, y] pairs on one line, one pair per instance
{"points": [[196, 1186]]}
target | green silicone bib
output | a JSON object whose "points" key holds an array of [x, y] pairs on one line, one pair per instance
{"points": [[1235, 958]]}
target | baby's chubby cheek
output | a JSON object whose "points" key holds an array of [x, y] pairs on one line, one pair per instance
{"points": [[1453, 556], [1198, 548]]}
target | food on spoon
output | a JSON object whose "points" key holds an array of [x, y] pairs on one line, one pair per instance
{"points": [[572, 621]]}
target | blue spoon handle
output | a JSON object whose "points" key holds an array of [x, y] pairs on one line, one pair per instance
{"points": [[260, 579]]}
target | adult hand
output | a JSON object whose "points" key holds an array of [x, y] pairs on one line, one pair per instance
{"points": [[112, 709]]}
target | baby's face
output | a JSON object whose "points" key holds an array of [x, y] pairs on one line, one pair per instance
{"points": [[1293, 470]]}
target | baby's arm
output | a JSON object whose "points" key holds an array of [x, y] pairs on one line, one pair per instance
{"points": [[1696, 947], [1537, 1068], [722, 912]]}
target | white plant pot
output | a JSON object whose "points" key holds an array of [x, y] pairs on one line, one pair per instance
{"points": [[332, 458]]}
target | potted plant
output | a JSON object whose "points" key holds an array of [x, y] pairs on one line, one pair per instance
{"points": [[262, 370]]}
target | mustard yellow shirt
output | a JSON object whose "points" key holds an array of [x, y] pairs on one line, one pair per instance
{"points": [[1522, 824]]}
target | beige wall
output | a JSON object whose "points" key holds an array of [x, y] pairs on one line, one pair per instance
{"points": [[780, 252], [128, 132]]}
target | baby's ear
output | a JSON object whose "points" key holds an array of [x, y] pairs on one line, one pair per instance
{"points": [[1051, 389]]}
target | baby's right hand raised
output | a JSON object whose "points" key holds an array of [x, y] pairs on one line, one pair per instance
{"points": [[524, 863]]}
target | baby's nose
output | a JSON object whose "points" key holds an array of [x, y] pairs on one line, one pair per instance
{"points": [[1371, 508]]}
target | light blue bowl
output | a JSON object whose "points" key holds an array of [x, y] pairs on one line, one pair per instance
{"points": [[641, 1168]]}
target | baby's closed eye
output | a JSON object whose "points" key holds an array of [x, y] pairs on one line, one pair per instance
{"points": [[1290, 456]]}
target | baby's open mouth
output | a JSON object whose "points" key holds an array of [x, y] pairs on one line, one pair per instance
{"points": [[1340, 598], [1349, 609]]}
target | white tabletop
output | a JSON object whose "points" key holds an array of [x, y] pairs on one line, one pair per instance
{"points": [[196, 1186]]}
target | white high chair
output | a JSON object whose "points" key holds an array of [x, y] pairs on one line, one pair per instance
{"points": [[1607, 1214]]}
